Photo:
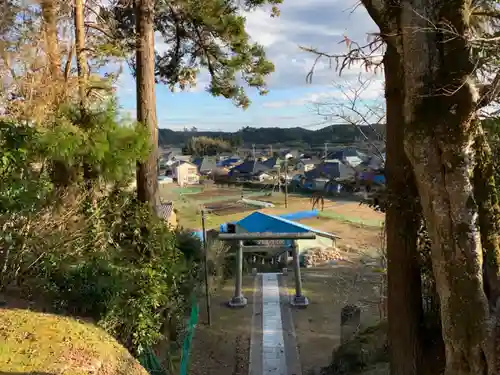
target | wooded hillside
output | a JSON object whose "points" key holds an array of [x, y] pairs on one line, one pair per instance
{"points": [[290, 136]]}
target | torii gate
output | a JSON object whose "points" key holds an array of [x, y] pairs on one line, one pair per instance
{"points": [[239, 299]]}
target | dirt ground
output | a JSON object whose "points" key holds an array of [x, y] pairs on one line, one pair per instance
{"points": [[223, 348], [360, 238], [328, 290]]}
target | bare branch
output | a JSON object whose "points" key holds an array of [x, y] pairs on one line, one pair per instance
{"points": [[369, 55], [353, 109]]}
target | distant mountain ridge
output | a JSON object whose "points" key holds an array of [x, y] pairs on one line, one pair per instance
{"points": [[340, 133]]}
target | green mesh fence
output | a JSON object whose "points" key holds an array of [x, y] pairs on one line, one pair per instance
{"points": [[186, 347], [150, 361]]}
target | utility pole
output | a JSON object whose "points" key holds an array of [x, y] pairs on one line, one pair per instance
{"points": [[326, 150], [253, 151], [205, 249], [271, 146], [286, 183]]}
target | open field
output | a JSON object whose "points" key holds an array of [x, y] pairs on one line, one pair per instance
{"points": [[358, 226], [223, 348]]}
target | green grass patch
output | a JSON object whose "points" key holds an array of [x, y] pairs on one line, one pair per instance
{"points": [[44, 343], [352, 220]]}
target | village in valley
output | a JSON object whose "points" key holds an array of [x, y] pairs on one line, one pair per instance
{"points": [[255, 190]]}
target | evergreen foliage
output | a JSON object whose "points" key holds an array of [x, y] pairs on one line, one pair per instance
{"points": [[201, 34]]}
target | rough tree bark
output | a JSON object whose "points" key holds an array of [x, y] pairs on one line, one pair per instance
{"points": [[402, 224], [440, 105], [402, 212], [485, 193], [147, 180]]}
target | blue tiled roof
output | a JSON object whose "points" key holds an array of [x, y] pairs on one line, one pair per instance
{"points": [[259, 222]]}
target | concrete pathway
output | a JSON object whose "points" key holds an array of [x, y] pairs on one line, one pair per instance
{"points": [[273, 348]]}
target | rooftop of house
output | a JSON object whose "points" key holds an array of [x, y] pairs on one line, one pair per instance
{"points": [[205, 164], [164, 210], [327, 170], [345, 153], [259, 222], [311, 160], [271, 162], [250, 167]]}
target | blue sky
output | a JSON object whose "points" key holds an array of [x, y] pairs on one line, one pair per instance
{"points": [[291, 101]]}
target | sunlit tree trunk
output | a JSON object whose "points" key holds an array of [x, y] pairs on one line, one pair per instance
{"points": [[147, 180], [440, 105], [81, 61], [485, 193], [402, 224], [62, 175], [49, 15]]}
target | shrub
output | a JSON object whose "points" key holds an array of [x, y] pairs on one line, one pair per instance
{"points": [[100, 254]]}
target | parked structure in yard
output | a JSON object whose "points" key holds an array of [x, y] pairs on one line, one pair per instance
{"points": [[186, 174], [259, 222], [162, 180]]}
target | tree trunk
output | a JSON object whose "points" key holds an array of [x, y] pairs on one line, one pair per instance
{"points": [[80, 51], [486, 197], [439, 108], [89, 174], [402, 224], [49, 15], [147, 179], [62, 175]]}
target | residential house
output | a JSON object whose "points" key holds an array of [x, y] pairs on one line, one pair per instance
{"points": [[258, 222], [348, 155], [272, 163], [371, 171], [224, 156], [289, 154], [175, 158], [205, 165], [307, 164], [321, 177], [249, 170], [229, 162], [166, 212], [187, 174]]}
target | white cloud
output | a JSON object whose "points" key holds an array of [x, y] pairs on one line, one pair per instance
{"points": [[320, 24], [368, 88]]}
